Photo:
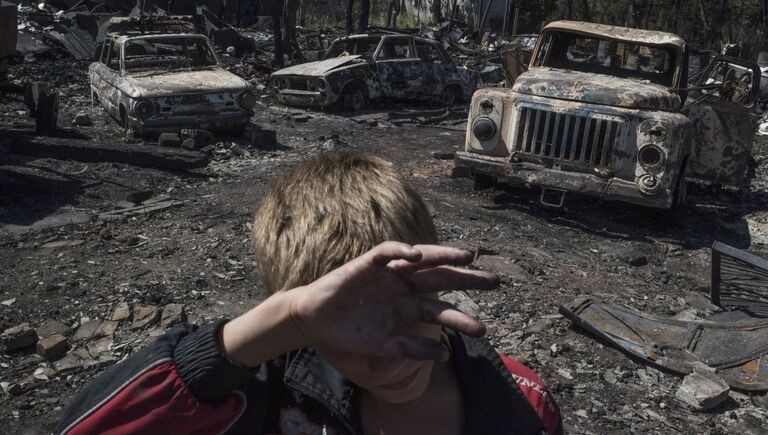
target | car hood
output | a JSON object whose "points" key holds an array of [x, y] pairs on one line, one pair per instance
{"points": [[319, 67], [596, 88], [144, 85]]}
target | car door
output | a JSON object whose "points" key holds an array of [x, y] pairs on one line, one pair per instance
{"points": [[722, 108], [108, 76], [400, 71], [438, 70]]}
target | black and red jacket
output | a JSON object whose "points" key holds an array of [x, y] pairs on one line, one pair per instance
{"points": [[182, 383]]}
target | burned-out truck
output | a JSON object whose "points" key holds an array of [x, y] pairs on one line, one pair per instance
{"points": [[607, 111]]}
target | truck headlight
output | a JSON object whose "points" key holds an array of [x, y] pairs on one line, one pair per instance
{"points": [[275, 82], [648, 184], [321, 84], [484, 128], [650, 156], [247, 100], [144, 109]]}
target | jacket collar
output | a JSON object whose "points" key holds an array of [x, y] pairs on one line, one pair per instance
{"points": [[493, 403]]}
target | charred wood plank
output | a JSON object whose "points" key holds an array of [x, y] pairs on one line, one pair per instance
{"points": [[132, 154]]}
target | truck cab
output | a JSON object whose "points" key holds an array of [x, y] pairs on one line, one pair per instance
{"points": [[607, 111]]}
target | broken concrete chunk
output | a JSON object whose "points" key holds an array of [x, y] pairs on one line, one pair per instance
{"points": [[52, 347], [702, 390], [463, 302], [240, 151], [97, 347], [106, 328], [541, 325], [18, 337], [144, 316], [122, 311], [52, 327], [172, 314], [87, 330], [196, 139]]}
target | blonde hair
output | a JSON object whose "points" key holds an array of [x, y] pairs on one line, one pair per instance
{"points": [[330, 210]]}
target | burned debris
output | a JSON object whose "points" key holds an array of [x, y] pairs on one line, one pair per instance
{"points": [[127, 189]]}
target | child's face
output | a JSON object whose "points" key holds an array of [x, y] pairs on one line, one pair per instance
{"points": [[393, 380]]}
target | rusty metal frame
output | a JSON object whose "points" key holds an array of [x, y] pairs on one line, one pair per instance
{"points": [[739, 280]]}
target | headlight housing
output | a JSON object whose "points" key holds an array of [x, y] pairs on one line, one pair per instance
{"points": [[650, 156], [484, 128], [247, 100], [321, 84], [279, 83], [144, 109]]}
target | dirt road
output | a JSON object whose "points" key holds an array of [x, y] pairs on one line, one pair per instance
{"points": [[197, 253]]}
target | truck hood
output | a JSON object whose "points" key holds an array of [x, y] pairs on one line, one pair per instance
{"points": [[144, 85], [596, 88], [318, 68]]}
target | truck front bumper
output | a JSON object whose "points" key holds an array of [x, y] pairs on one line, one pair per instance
{"points": [[614, 189]]}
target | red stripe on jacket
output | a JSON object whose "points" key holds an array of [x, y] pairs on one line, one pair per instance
{"points": [[158, 402], [536, 392]]}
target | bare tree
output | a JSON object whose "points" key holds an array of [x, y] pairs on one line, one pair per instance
{"points": [[586, 11], [394, 10], [566, 9], [365, 10]]}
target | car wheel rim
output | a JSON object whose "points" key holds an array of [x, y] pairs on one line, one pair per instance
{"points": [[357, 101]]}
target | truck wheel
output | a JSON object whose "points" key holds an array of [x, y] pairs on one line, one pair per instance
{"points": [[354, 99], [483, 182]]}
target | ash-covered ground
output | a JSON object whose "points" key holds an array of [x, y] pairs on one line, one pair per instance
{"points": [[67, 270]]}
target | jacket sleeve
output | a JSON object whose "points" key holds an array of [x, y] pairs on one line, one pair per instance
{"points": [[182, 383], [536, 392]]}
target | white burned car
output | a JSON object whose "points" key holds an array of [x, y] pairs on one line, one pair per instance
{"points": [[153, 83]]}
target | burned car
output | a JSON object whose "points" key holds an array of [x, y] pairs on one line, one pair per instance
{"points": [[606, 111], [153, 82], [359, 68]]}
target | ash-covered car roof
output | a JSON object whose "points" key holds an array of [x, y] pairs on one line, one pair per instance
{"points": [[650, 37]]}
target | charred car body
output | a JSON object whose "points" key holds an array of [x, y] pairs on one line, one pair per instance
{"points": [[601, 112], [156, 81], [359, 68]]}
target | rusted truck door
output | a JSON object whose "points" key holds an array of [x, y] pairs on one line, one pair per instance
{"points": [[722, 110], [401, 72]]}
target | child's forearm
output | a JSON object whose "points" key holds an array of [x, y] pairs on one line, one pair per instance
{"points": [[263, 333]]}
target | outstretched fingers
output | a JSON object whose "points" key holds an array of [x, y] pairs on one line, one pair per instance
{"points": [[451, 278], [387, 252], [433, 255], [444, 313]]}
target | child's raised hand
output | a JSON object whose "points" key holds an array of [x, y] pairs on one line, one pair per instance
{"points": [[360, 306]]}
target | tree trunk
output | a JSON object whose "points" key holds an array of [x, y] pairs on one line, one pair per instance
{"points": [[394, 11], [290, 12], [566, 10], [365, 10], [350, 25], [586, 11], [277, 31], [437, 11]]}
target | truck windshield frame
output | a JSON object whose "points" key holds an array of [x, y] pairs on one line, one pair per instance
{"points": [[599, 55]]}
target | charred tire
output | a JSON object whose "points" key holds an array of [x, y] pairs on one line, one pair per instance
{"points": [[354, 98], [482, 181]]}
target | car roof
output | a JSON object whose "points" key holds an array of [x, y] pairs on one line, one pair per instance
{"points": [[387, 34], [123, 37], [625, 34]]}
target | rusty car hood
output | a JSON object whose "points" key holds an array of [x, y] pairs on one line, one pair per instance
{"points": [[144, 85], [596, 88], [319, 67]]}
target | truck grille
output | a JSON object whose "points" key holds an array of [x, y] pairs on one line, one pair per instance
{"points": [[575, 139]]}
